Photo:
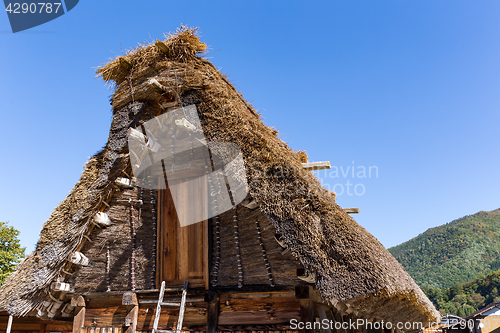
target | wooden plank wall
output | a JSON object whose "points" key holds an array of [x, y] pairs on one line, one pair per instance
{"points": [[114, 316]]}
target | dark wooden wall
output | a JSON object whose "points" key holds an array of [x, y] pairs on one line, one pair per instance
{"points": [[118, 239], [283, 266]]}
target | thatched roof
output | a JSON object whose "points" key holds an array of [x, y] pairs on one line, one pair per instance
{"points": [[355, 273]]}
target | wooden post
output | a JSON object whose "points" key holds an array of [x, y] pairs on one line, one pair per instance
{"points": [[307, 314], [9, 324], [340, 318], [335, 317], [213, 311], [130, 300], [322, 316], [79, 318]]}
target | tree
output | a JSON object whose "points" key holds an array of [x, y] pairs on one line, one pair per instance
{"points": [[11, 251]]}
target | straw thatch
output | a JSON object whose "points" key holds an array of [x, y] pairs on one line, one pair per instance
{"points": [[355, 273]]}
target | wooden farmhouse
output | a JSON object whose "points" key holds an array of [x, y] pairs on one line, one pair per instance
{"points": [[281, 251], [485, 320]]}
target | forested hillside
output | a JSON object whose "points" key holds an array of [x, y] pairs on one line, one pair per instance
{"points": [[453, 253], [465, 298]]}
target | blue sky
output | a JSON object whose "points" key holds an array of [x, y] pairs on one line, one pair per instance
{"points": [[409, 87]]}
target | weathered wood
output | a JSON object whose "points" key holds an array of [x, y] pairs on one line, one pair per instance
{"points": [[16, 326], [316, 165], [351, 210], [131, 318], [169, 316], [42, 329], [238, 305], [337, 317], [79, 318], [132, 311], [302, 292], [331, 315], [58, 327], [130, 298], [322, 317], [160, 241], [246, 318], [260, 327], [206, 263], [77, 300], [79, 315], [174, 299], [266, 294], [307, 314]]}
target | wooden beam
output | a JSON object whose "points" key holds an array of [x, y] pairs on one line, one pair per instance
{"points": [[307, 314], [42, 328], [340, 318], [323, 317], [303, 292], [351, 210], [213, 314], [129, 298], [132, 311], [206, 255], [317, 165], [78, 320]]}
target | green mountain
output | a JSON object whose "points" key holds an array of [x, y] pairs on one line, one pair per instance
{"points": [[464, 299], [456, 252]]}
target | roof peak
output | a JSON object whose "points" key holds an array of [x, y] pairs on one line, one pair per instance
{"points": [[183, 45]]}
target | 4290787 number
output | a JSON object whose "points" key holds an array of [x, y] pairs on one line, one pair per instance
{"points": [[40, 7]]}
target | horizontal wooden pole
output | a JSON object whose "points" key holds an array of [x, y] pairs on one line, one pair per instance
{"points": [[317, 165], [351, 210]]}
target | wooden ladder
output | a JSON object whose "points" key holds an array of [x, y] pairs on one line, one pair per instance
{"points": [[182, 306]]}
